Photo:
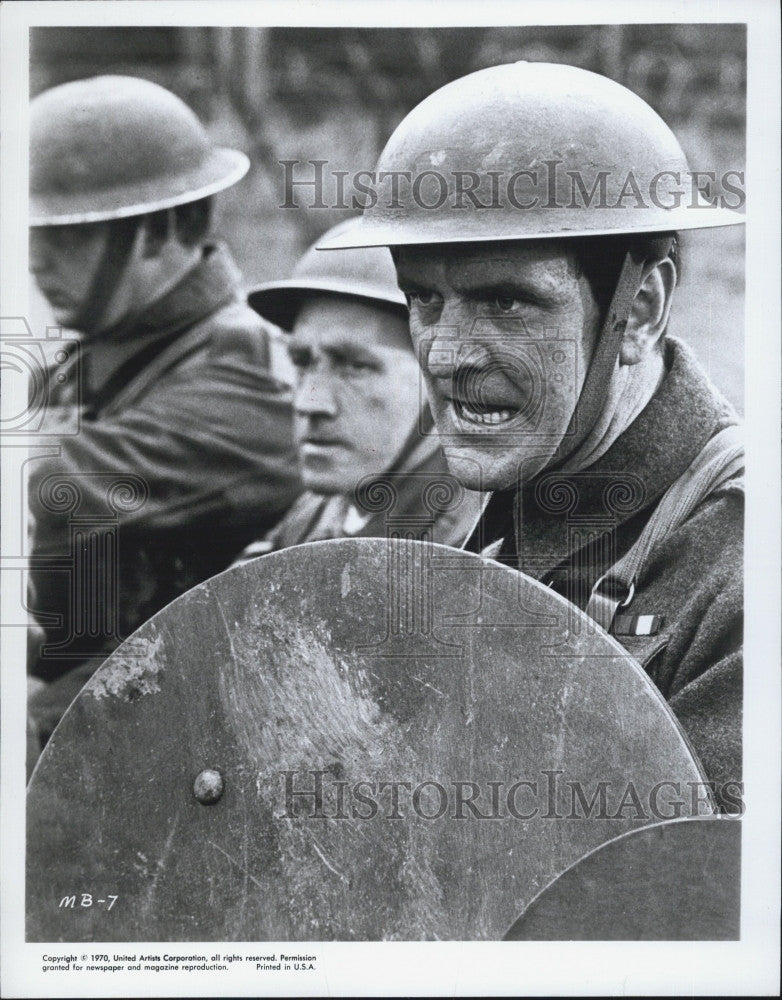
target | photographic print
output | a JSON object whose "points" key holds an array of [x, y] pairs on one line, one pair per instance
{"points": [[382, 421]]}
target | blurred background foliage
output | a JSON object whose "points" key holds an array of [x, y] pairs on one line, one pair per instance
{"points": [[336, 94]]}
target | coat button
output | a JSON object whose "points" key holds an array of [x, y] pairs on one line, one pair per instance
{"points": [[208, 787]]}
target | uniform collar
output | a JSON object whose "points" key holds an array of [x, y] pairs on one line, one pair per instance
{"points": [[209, 285], [685, 412]]}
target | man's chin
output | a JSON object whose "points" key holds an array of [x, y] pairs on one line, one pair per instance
{"points": [[474, 474], [484, 472], [325, 487], [327, 483], [69, 318]]}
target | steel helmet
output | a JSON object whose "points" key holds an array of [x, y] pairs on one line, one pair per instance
{"points": [[529, 151], [111, 147], [364, 274]]}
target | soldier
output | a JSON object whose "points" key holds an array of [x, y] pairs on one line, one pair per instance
{"points": [[360, 414], [174, 433], [536, 241]]}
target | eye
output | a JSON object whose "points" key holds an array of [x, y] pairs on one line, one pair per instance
{"points": [[353, 365], [299, 359], [55, 237], [505, 303], [423, 298]]}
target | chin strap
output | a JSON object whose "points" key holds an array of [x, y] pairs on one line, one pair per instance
{"points": [[122, 234], [601, 367]]}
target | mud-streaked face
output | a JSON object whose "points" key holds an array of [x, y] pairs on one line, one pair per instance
{"points": [[357, 396], [503, 334]]}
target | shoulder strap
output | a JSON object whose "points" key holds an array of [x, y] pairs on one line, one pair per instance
{"points": [[149, 366], [592, 396], [720, 460]]}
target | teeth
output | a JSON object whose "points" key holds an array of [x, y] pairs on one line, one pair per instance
{"points": [[486, 419]]}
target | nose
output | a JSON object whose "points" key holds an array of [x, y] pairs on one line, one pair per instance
{"points": [[441, 347], [315, 394], [438, 352]]}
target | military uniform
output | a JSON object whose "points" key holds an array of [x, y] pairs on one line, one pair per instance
{"points": [[681, 613], [684, 622], [184, 398]]}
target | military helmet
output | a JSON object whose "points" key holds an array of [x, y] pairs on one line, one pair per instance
{"points": [[111, 147], [528, 151], [363, 274]]}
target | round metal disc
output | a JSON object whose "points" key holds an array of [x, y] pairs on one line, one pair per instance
{"points": [[676, 881], [360, 739]]}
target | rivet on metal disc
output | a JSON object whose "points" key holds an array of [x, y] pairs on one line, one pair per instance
{"points": [[208, 787]]}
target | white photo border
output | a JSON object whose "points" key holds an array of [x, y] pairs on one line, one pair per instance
{"points": [[749, 966]]}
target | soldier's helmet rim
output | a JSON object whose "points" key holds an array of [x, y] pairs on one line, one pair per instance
{"points": [[112, 146], [542, 124], [366, 275]]}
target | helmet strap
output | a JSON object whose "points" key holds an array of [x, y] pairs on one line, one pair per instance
{"points": [[601, 367], [108, 274]]}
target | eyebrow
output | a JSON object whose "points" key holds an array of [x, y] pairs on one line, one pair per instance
{"points": [[336, 350], [410, 285], [478, 280], [353, 352], [482, 289], [515, 288]]}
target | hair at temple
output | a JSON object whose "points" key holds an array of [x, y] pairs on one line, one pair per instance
{"points": [[600, 258]]}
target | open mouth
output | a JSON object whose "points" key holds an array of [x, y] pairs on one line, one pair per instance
{"points": [[484, 415]]}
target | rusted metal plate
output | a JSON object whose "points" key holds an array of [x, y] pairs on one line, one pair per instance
{"points": [[675, 881], [470, 735]]}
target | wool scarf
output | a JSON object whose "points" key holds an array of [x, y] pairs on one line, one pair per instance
{"points": [[629, 390]]}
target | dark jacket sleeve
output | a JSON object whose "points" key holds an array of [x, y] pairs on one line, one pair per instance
{"points": [[699, 670], [710, 711], [211, 439], [196, 462]]}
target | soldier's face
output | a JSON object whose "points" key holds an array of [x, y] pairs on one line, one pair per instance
{"points": [[503, 333], [357, 394], [63, 262]]}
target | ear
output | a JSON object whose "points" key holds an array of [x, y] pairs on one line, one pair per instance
{"points": [[649, 313]]}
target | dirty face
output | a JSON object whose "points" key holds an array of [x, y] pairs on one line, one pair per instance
{"points": [[503, 333], [357, 395], [64, 261]]}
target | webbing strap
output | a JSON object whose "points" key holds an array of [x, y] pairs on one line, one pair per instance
{"points": [[721, 459], [146, 368], [592, 396], [108, 274]]}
